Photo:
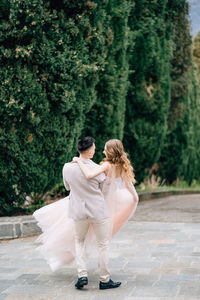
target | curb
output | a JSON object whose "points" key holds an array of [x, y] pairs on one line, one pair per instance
{"points": [[160, 194], [20, 226], [23, 226]]}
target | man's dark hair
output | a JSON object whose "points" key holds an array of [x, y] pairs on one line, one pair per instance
{"points": [[85, 143]]}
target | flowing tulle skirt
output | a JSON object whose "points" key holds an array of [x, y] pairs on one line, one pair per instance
{"points": [[57, 243]]}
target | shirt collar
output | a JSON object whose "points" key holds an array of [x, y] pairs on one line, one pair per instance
{"points": [[85, 159]]}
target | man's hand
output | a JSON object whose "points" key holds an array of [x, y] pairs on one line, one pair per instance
{"points": [[75, 159]]}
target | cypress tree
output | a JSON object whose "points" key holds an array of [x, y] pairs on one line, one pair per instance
{"points": [[149, 91], [181, 139], [190, 168], [196, 52], [106, 118]]}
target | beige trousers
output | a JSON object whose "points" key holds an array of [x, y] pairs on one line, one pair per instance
{"points": [[101, 229]]}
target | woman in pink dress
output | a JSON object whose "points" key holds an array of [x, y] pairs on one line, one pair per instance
{"points": [[57, 238]]}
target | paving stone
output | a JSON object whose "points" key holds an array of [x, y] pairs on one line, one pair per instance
{"points": [[170, 284], [4, 284], [3, 296], [164, 270], [29, 289], [179, 277], [104, 297], [190, 259], [9, 276], [170, 265], [190, 290], [142, 277], [4, 270], [27, 278], [143, 264], [179, 297], [193, 270], [142, 298], [195, 264], [138, 284], [162, 290], [117, 262], [29, 297], [165, 253]]}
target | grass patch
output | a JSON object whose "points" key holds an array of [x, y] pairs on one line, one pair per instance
{"points": [[154, 183]]}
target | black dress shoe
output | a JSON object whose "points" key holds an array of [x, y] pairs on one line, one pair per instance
{"points": [[108, 285], [81, 282]]}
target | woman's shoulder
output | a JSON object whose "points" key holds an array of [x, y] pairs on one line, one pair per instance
{"points": [[105, 163]]}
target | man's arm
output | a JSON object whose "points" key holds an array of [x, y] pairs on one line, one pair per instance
{"points": [[101, 179], [66, 184]]}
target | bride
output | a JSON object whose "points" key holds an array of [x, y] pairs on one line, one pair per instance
{"points": [[57, 238]]}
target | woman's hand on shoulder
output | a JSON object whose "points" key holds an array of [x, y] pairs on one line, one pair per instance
{"points": [[75, 159]]}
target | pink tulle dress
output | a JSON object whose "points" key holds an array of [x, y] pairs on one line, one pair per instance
{"points": [[57, 243]]}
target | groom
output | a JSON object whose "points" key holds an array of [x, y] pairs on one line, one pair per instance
{"points": [[87, 207]]}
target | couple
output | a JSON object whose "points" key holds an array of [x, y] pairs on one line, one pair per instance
{"points": [[102, 198]]}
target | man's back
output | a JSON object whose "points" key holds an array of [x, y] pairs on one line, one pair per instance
{"points": [[86, 199]]}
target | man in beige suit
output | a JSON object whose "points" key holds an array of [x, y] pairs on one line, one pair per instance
{"points": [[87, 207]]}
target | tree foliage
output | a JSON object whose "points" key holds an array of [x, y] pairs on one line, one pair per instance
{"points": [[149, 91], [106, 118], [51, 54]]}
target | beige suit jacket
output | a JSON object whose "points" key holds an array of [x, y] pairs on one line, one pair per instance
{"points": [[85, 199]]}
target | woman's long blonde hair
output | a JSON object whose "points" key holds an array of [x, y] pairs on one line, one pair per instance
{"points": [[116, 155]]}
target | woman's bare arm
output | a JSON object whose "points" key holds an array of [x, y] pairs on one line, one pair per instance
{"points": [[90, 173]]}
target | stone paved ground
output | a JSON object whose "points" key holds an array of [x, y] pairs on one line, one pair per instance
{"points": [[156, 256]]}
